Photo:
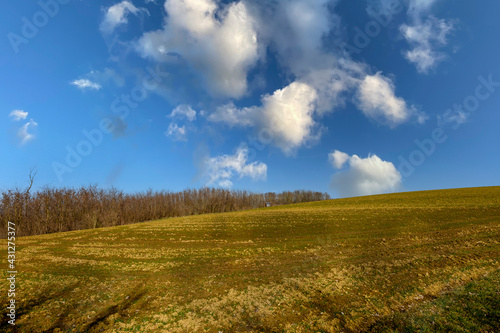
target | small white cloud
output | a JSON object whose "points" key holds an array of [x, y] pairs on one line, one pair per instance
{"points": [[93, 79], [366, 176], [425, 38], [421, 116], [424, 33], [117, 15], [455, 117], [377, 99], [221, 170], [338, 159], [86, 84], [18, 115], [176, 133], [183, 111], [23, 134]]}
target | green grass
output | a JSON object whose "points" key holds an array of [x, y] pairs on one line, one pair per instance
{"points": [[474, 307], [411, 262]]}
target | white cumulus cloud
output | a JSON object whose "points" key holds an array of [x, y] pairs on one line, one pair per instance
{"points": [[363, 176], [117, 15], [221, 170], [84, 84], [285, 118], [287, 115], [18, 115], [376, 98], [220, 43]]}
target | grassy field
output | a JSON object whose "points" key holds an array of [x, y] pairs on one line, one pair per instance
{"points": [[422, 261]]}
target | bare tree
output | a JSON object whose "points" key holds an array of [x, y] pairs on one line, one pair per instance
{"points": [[31, 180]]}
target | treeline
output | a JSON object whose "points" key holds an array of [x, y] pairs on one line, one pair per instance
{"points": [[64, 209]]}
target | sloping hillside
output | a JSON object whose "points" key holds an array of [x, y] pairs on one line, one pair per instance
{"points": [[387, 262]]}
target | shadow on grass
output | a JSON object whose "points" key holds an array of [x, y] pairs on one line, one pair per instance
{"points": [[28, 306], [119, 309], [61, 322]]}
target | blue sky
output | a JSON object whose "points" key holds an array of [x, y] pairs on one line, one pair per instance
{"points": [[345, 97]]}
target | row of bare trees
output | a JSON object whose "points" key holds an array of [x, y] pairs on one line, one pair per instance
{"points": [[63, 209]]}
